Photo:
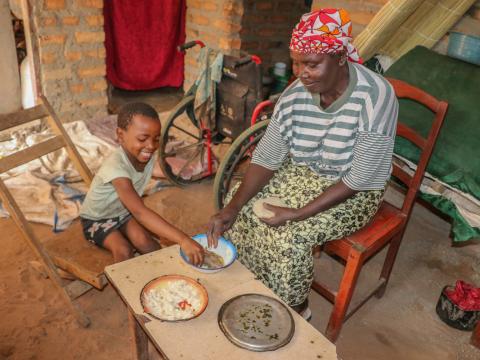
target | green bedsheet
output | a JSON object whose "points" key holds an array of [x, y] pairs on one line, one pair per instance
{"points": [[456, 157]]}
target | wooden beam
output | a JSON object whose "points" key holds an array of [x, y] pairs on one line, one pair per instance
{"points": [[21, 117], [75, 157], [31, 153], [325, 291], [77, 288], [37, 248], [71, 252]]}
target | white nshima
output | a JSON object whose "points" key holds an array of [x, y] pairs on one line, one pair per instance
{"points": [[164, 301], [262, 212]]}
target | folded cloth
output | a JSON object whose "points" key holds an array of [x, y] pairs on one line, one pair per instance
{"points": [[465, 296]]}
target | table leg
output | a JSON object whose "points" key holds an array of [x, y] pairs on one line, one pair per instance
{"points": [[475, 339], [140, 339]]}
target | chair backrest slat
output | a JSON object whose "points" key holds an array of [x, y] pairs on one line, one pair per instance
{"points": [[402, 175], [31, 153], [21, 117], [439, 109], [406, 91], [410, 134]]}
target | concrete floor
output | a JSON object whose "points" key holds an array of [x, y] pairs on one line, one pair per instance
{"points": [[403, 324]]}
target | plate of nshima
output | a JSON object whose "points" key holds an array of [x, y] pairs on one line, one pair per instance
{"points": [[174, 298], [256, 322]]}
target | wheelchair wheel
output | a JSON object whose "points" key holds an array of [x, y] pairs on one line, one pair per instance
{"points": [[182, 144], [236, 161]]}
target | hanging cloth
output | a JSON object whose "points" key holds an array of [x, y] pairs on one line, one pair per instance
{"points": [[211, 63], [141, 39]]}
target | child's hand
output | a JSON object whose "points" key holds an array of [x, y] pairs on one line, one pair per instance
{"points": [[193, 250]]}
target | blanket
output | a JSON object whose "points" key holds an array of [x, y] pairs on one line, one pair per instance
{"points": [[455, 165], [49, 190]]}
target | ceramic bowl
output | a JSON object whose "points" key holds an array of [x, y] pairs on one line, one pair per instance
{"points": [[164, 281], [225, 249]]}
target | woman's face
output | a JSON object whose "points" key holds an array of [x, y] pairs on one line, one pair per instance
{"points": [[319, 73]]}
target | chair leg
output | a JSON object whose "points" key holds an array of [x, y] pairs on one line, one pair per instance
{"points": [[139, 338], [475, 339], [389, 261], [344, 295]]}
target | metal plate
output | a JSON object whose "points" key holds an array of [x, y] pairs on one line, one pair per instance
{"points": [[256, 322]]}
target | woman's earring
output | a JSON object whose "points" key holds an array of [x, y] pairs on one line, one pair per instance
{"points": [[342, 61]]}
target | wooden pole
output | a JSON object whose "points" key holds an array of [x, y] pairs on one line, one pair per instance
{"points": [[37, 248]]}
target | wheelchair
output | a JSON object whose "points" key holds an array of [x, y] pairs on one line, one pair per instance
{"points": [[190, 148]]}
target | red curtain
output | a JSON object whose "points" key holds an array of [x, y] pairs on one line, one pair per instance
{"points": [[141, 37]]}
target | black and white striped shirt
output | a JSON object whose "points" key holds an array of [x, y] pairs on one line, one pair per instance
{"points": [[351, 140]]}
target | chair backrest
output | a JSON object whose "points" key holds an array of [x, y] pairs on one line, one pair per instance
{"points": [[426, 145]]}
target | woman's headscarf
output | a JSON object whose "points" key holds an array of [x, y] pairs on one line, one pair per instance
{"points": [[325, 31]]}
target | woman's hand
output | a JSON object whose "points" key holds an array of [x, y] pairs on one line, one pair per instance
{"points": [[219, 223], [281, 215], [193, 250]]}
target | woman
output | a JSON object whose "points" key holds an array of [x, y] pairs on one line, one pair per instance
{"points": [[326, 153]]}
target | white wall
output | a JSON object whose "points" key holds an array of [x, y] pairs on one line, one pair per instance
{"points": [[10, 93]]}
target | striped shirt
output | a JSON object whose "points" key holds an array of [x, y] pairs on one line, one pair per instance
{"points": [[351, 140]]}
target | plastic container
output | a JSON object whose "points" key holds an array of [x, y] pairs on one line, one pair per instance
{"points": [[280, 81], [453, 315], [225, 249], [28, 96], [464, 47], [280, 69]]}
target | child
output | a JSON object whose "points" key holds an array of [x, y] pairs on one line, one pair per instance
{"points": [[113, 214]]}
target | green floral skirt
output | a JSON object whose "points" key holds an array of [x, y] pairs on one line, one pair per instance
{"points": [[281, 257]]}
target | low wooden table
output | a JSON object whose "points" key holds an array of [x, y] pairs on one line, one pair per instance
{"points": [[201, 338]]}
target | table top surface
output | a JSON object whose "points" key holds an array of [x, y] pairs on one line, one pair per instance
{"points": [[201, 338]]}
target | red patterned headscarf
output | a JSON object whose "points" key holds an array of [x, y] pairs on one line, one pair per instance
{"points": [[325, 31]]}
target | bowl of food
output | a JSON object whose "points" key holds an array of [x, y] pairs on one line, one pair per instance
{"points": [[215, 259], [174, 298]]}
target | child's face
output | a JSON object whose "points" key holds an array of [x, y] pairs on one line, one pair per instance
{"points": [[141, 138]]}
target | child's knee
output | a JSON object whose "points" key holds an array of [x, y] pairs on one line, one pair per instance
{"points": [[122, 252], [146, 244]]}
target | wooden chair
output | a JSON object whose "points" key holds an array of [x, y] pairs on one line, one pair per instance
{"points": [[475, 339], [67, 250], [388, 225]]}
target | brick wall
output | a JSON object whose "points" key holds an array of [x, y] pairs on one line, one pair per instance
{"points": [[217, 23], [235, 26], [70, 39], [267, 28]]}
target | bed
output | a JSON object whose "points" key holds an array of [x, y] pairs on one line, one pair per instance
{"points": [[452, 184]]}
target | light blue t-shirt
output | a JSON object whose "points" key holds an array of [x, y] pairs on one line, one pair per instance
{"points": [[102, 201]]}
